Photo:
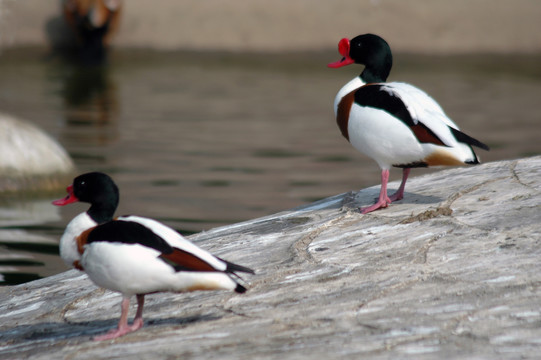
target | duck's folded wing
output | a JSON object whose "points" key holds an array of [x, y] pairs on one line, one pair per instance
{"points": [[172, 245], [413, 107], [425, 110]]}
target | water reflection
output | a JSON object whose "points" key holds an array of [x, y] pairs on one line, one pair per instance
{"points": [[91, 104], [79, 36], [28, 247]]}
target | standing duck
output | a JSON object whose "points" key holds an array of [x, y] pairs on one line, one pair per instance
{"points": [[93, 22], [394, 123], [135, 255]]}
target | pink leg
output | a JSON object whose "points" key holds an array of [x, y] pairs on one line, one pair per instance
{"points": [[138, 320], [123, 327], [383, 200], [399, 194]]}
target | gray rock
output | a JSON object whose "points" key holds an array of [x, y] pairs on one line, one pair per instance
{"points": [[30, 158], [452, 271]]}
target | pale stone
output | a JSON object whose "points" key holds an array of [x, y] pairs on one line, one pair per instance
{"points": [[28, 154], [450, 272]]}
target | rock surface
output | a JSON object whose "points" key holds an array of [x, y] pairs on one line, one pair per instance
{"points": [[452, 271], [30, 160]]}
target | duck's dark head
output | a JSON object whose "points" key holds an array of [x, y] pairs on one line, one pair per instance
{"points": [[369, 50], [97, 189]]}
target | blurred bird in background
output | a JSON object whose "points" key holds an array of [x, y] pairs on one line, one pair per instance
{"points": [[93, 22]]}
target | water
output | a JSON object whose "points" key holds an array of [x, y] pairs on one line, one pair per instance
{"points": [[199, 140]]}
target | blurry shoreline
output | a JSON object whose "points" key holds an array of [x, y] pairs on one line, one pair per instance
{"points": [[307, 59], [416, 26]]}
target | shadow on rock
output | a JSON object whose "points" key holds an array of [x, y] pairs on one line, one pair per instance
{"points": [[62, 331]]}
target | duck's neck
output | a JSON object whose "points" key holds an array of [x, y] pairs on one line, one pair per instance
{"points": [[378, 69], [369, 76], [102, 213]]}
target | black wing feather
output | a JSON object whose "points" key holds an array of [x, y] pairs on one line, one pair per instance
{"points": [[463, 138], [128, 232], [232, 267]]}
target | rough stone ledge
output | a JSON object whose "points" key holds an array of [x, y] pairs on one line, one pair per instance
{"points": [[452, 271]]}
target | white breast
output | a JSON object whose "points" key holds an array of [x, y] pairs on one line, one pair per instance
{"points": [[355, 83], [68, 241]]}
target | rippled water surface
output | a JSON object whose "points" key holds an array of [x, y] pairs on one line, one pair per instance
{"points": [[199, 140]]}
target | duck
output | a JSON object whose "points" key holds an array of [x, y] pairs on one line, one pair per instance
{"points": [[394, 123], [93, 24], [135, 255]]}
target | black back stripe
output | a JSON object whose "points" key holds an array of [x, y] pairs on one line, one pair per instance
{"points": [[373, 96], [128, 232]]}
